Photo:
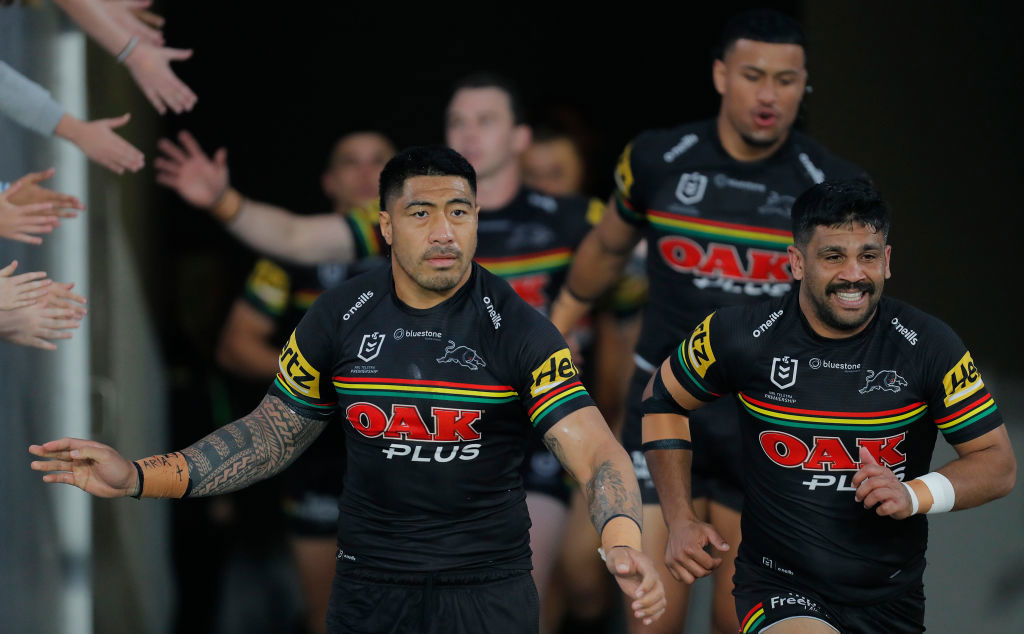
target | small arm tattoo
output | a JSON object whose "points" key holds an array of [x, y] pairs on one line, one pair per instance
{"points": [[250, 449], [608, 496], [607, 492]]}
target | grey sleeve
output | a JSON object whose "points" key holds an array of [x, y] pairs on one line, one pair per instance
{"points": [[28, 103]]}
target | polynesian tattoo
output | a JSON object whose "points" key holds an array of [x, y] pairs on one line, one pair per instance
{"points": [[607, 492], [250, 449]]}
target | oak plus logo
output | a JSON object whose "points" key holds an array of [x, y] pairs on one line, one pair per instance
{"points": [[449, 428], [885, 380], [825, 457], [691, 188], [462, 355], [370, 347], [784, 372]]}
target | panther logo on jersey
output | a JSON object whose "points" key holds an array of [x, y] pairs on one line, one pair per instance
{"points": [[466, 357], [886, 380]]}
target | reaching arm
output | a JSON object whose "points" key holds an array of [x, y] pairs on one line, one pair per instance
{"points": [[984, 471], [203, 182], [587, 449], [597, 264], [149, 64], [238, 454]]}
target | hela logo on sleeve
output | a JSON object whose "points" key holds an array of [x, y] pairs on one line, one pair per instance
{"points": [[557, 369], [961, 381], [300, 375]]}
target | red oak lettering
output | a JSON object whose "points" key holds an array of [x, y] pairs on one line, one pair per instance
{"points": [[406, 423], [828, 452], [723, 260]]}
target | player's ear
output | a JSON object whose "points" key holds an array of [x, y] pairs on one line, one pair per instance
{"points": [[718, 74], [796, 262], [888, 260], [384, 219]]}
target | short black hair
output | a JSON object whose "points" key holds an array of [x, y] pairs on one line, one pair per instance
{"points": [[760, 25], [837, 203], [488, 79], [430, 160]]}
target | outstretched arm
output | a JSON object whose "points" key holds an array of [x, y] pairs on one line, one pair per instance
{"points": [[202, 181], [238, 454], [597, 264], [587, 449]]}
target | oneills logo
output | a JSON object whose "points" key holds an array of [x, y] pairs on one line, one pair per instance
{"points": [[698, 349], [299, 373], [962, 381]]}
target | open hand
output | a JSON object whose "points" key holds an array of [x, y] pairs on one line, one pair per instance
{"points": [[89, 465]]}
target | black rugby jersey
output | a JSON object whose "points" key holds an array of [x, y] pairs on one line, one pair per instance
{"points": [[808, 403], [530, 241], [436, 406], [717, 228]]}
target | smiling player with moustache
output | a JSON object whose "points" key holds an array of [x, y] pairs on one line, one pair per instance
{"points": [[838, 480]]}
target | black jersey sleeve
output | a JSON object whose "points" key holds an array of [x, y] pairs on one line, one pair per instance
{"points": [[267, 288], [546, 379], [958, 400], [699, 363], [304, 377]]}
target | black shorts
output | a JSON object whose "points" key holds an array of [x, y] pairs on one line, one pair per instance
{"points": [[313, 484], [764, 598], [542, 473], [493, 601], [717, 471]]}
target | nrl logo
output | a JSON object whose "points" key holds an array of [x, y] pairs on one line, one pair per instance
{"points": [[370, 346], [886, 380], [691, 188], [466, 357], [784, 371]]}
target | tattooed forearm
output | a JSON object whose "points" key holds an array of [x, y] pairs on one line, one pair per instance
{"points": [[250, 449], [609, 495]]}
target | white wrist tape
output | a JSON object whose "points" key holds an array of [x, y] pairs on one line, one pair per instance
{"points": [[942, 492], [913, 499]]}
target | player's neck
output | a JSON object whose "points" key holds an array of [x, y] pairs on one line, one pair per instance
{"points": [[415, 296], [734, 145], [822, 329], [497, 189]]}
